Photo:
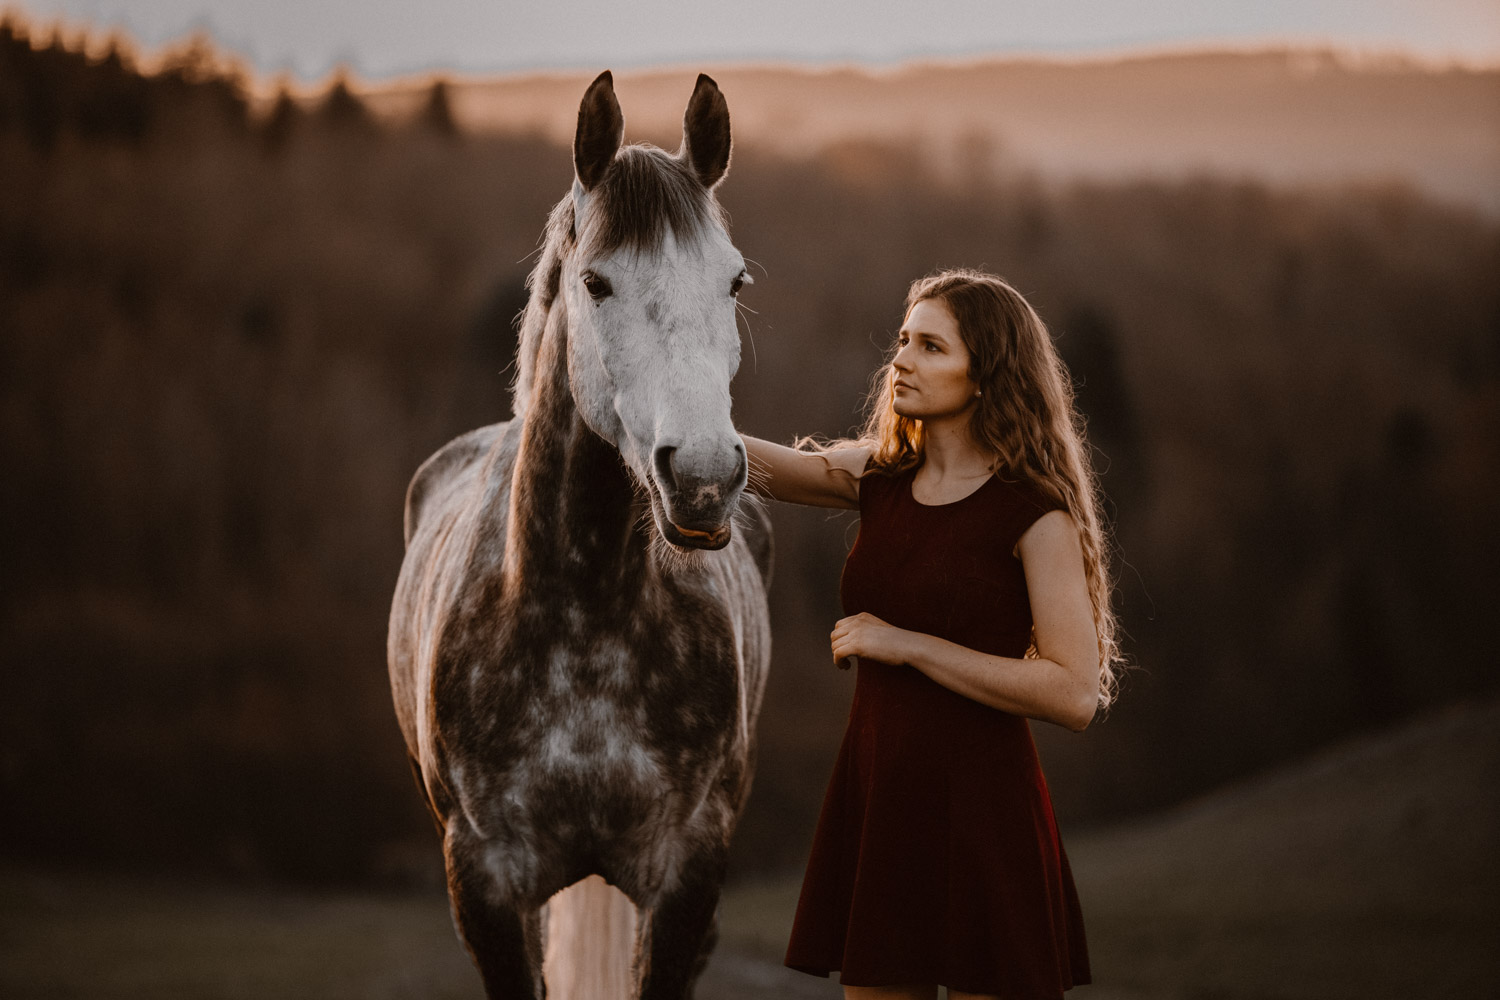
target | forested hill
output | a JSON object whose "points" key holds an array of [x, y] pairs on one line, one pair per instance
{"points": [[1283, 116], [230, 331]]}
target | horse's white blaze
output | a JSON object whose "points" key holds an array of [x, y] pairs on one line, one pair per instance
{"points": [[652, 361]]}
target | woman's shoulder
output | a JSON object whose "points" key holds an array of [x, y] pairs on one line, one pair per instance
{"points": [[1029, 495], [879, 481], [1016, 505]]}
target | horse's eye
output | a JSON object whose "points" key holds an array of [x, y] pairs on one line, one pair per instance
{"points": [[739, 282], [597, 286]]}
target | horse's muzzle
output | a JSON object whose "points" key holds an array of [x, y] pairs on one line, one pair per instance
{"points": [[694, 501]]}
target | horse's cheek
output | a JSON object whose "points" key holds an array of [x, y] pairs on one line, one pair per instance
{"points": [[595, 392]]}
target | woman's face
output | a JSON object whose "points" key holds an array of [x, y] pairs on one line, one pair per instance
{"points": [[931, 368]]}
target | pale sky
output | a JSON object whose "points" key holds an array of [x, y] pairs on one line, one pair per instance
{"points": [[379, 38]]}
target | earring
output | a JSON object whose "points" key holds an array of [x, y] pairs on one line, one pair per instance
{"points": [[978, 392]]}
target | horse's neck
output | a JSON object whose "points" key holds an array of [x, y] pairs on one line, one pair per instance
{"points": [[571, 522]]}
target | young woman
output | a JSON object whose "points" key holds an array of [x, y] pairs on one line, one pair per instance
{"points": [[977, 596]]}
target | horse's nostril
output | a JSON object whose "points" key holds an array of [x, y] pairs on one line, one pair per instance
{"points": [[663, 460]]}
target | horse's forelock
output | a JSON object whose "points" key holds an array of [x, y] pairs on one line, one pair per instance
{"points": [[645, 194]]}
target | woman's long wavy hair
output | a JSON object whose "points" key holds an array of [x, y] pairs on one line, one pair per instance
{"points": [[1024, 416]]}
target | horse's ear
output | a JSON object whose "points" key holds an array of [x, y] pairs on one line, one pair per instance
{"points": [[601, 129], [705, 132]]}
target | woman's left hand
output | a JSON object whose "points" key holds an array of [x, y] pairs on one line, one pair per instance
{"points": [[865, 635]]}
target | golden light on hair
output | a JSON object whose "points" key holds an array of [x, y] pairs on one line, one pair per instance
{"points": [[1025, 418]]}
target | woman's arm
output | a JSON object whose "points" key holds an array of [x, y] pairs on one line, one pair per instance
{"points": [[1061, 685], [821, 479]]}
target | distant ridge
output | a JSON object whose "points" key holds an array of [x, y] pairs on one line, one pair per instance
{"points": [[1289, 117]]}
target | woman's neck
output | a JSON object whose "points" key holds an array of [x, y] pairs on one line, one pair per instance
{"points": [[950, 451]]}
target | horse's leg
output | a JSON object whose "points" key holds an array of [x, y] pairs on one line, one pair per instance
{"points": [[683, 928], [505, 943]]}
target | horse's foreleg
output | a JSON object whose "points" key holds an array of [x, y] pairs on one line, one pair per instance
{"points": [[505, 942], [683, 928]]}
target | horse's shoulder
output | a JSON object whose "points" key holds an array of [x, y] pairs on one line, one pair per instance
{"points": [[444, 468]]}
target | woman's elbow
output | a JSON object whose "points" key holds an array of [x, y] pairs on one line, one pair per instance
{"points": [[1080, 720], [1084, 705]]}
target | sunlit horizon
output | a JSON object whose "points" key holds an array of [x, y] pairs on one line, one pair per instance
{"points": [[270, 43]]}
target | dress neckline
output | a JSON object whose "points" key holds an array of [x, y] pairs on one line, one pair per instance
{"points": [[911, 483]]}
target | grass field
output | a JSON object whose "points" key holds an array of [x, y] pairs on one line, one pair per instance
{"points": [[1368, 871]]}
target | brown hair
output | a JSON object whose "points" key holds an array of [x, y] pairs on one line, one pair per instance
{"points": [[1024, 416]]}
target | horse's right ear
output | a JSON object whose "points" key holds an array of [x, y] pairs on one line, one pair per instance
{"points": [[601, 129]]}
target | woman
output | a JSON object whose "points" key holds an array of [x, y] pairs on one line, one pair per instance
{"points": [[977, 595]]}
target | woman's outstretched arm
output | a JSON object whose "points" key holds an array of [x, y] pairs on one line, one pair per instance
{"points": [[1061, 685], [819, 479]]}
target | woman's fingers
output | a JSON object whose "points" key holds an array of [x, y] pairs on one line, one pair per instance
{"points": [[842, 656], [845, 645], [844, 641]]}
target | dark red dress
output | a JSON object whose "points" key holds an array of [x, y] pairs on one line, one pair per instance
{"points": [[937, 858]]}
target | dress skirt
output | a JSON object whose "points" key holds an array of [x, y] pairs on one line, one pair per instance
{"points": [[937, 858]]}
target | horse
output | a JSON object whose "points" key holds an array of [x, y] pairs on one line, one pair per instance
{"points": [[579, 637]]}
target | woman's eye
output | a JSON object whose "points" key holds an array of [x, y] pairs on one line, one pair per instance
{"points": [[597, 285]]}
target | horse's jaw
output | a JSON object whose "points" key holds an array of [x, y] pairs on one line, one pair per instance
{"points": [[700, 533]]}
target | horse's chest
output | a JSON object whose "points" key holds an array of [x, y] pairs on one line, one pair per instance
{"points": [[617, 717]]}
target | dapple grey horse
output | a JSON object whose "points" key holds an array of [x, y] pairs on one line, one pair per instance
{"points": [[579, 637]]}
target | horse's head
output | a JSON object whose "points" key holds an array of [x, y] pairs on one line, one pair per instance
{"points": [[650, 283]]}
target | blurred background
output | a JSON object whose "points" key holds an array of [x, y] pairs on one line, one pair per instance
{"points": [[256, 263]]}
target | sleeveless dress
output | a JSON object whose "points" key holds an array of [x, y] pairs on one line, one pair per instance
{"points": [[936, 857]]}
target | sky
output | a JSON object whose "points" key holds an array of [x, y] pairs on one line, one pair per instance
{"points": [[378, 39]]}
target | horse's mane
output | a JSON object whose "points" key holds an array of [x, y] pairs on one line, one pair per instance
{"points": [[645, 194]]}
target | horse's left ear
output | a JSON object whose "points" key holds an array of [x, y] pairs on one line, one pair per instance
{"points": [[705, 132]]}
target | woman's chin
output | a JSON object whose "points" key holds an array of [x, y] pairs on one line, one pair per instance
{"points": [[912, 410]]}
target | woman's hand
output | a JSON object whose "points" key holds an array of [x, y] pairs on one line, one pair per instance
{"points": [[865, 635]]}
